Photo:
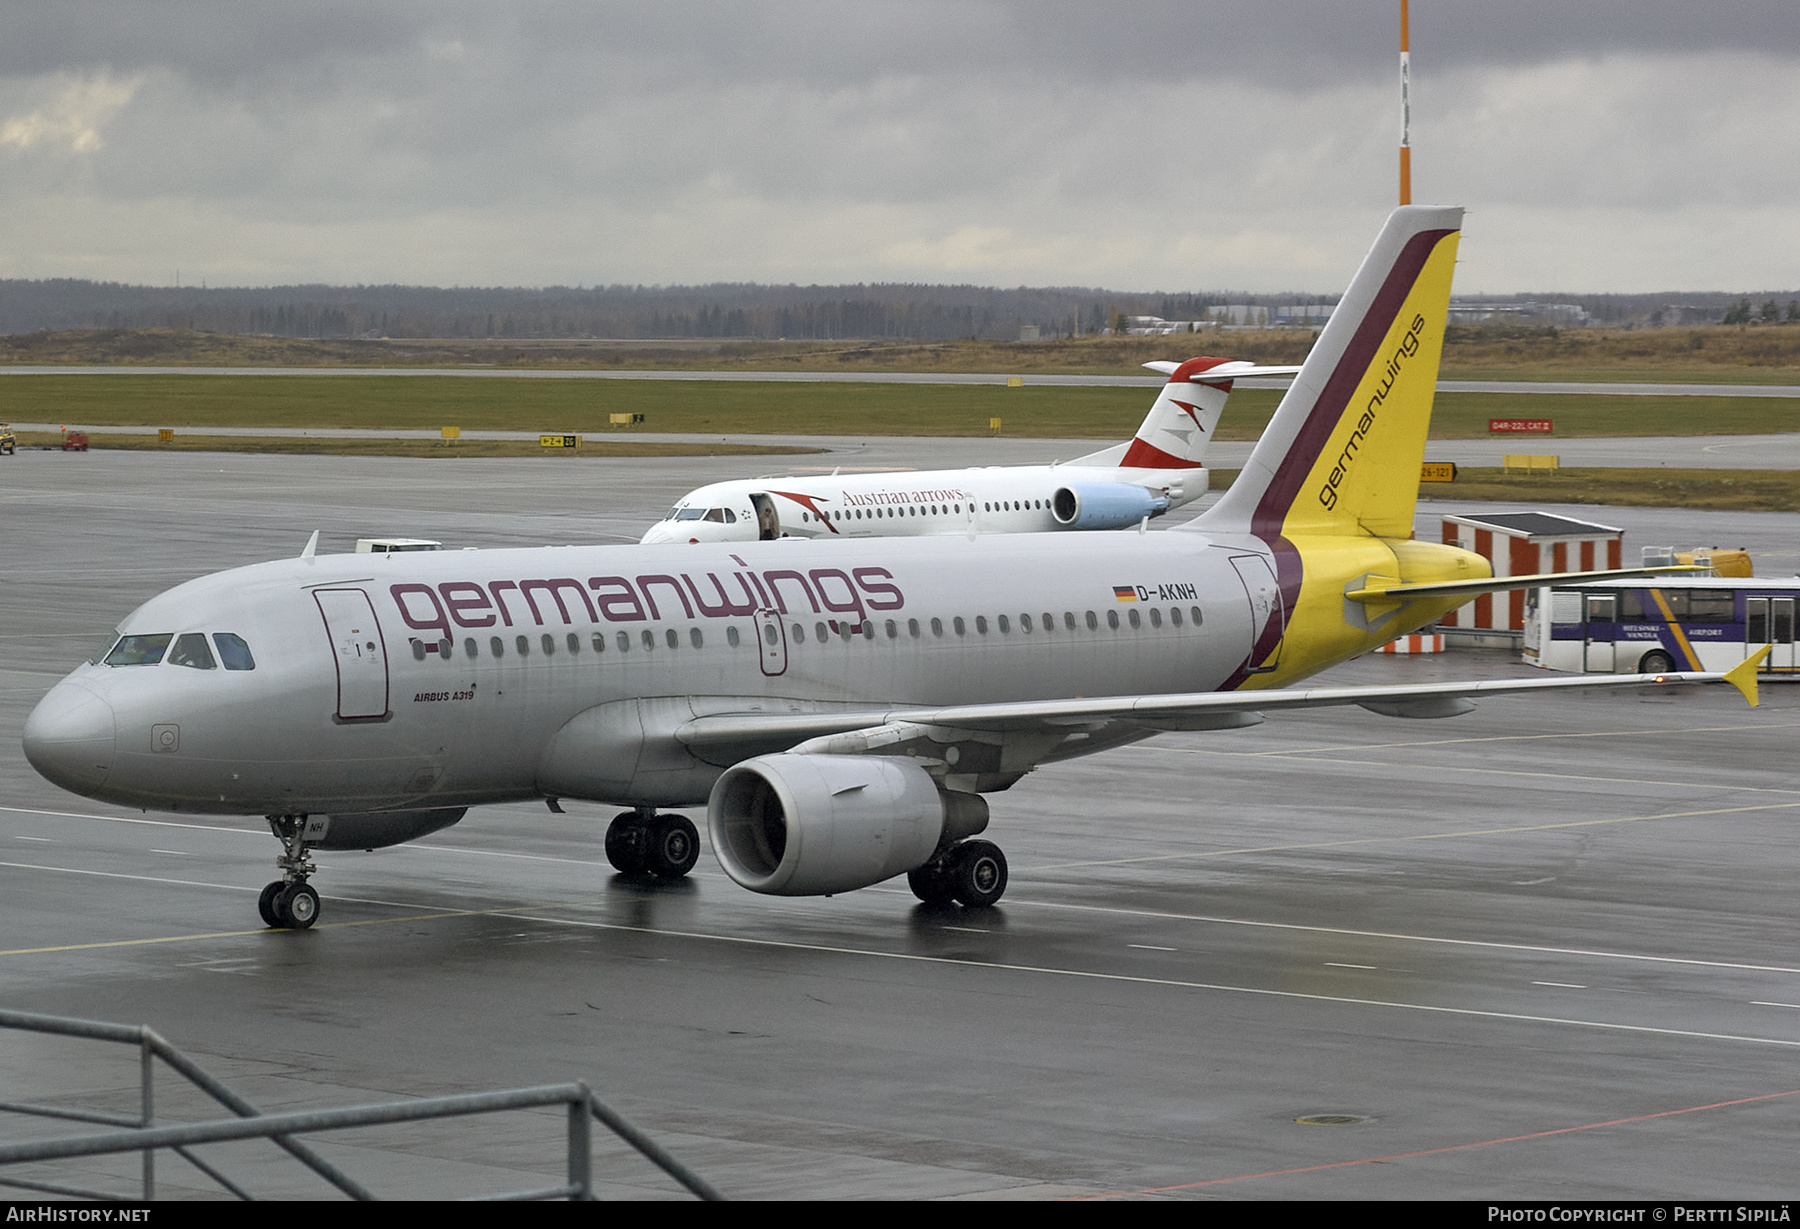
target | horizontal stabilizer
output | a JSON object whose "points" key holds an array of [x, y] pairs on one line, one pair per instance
{"points": [[1374, 590], [1224, 371]]}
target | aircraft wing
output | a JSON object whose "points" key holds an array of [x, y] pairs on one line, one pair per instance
{"points": [[1201, 710]]}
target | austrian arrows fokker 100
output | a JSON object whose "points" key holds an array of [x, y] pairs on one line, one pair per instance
{"points": [[1162, 467], [841, 708]]}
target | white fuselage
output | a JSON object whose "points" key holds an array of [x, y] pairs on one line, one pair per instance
{"points": [[485, 676], [1159, 468], [999, 499]]}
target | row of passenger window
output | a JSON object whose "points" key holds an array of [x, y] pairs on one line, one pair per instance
{"points": [[189, 649], [548, 645], [890, 511], [1004, 625]]}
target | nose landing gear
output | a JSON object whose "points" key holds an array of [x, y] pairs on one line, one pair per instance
{"points": [[290, 903]]}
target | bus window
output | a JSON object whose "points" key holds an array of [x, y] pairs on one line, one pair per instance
{"points": [[1700, 605], [1711, 606]]}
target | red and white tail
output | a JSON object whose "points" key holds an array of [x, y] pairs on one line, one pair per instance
{"points": [[1175, 433]]}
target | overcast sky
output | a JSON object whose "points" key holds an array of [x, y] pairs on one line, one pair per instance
{"points": [[1599, 145]]}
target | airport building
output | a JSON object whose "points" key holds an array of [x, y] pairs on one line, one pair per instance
{"points": [[1525, 544]]}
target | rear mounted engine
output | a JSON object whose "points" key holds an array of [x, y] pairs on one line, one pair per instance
{"points": [[813, 825], [1104, 505]]}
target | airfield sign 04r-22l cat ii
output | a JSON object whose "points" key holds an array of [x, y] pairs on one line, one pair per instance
{"points": [[842, 708], [1160, 468]]}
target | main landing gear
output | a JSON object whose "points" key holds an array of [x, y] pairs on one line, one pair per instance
{"points": [[642, 842], [971, 872], [290, 902]]}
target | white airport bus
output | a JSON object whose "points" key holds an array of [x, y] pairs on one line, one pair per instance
{"points": [[1679, 623]]}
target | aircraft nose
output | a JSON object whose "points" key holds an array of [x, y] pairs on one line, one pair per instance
{"points": [[69, 737], [656, 534]]}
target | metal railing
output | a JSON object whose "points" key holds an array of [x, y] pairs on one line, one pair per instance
{"points": [[139, 1134]]}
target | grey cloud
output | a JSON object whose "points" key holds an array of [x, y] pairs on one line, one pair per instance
{"points": [[1297, 45], [1159, 143]]}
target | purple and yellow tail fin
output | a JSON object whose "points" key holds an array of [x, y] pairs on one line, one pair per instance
{"points": [[1342, 453]]}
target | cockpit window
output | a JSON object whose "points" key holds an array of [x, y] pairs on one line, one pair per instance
{"points": [[233, 652], [689, 514], [190, 650], [100, 656], [721, 516], [139, 650]]}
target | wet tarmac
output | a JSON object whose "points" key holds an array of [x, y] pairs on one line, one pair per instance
{"points": [[1545, 950]]}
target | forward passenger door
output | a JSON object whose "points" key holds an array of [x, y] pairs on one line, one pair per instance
{"points": [[359, 650]]}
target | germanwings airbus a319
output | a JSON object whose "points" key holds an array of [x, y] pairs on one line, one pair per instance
{"points": [[1160, 468], [841, 708]]}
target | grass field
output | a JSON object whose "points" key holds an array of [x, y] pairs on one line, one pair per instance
{"points": [[1730, 490], [719, 407], [1722, 490]]}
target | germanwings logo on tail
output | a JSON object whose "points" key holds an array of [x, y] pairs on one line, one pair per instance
{"points": [[1409, 346]]}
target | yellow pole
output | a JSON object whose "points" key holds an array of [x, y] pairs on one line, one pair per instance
{"points": [[1405, 113]]}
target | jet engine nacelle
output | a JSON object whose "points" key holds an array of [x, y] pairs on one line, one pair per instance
{"points": [[379, 829], [1104, 505], [812, 825]]}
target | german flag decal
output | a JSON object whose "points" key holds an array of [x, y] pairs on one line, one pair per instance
{"points": [[1125, 593]]}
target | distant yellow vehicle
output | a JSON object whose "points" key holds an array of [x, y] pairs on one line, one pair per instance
{"points": [[1724, 562], [9, 443]]}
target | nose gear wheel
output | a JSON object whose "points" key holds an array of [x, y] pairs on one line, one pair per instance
{"points": [[290, 903]]}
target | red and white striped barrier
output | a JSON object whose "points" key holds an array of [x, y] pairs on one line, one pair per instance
{"points": [[1415, 643]]}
